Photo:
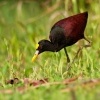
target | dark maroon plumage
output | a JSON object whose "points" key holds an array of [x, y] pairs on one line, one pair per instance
{"points": [[73, 28], [64, 33]]}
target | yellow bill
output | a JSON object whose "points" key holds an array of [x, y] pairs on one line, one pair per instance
{"points": [[35, 55]]}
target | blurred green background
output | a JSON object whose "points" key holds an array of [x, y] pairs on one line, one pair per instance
{"points": [[23, 23]]}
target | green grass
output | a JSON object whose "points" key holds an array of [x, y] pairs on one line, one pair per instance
{"points": [[22, 25]]}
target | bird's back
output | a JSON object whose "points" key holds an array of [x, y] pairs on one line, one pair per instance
{"points": [[72, 26]]}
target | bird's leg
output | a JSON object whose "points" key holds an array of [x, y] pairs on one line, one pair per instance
{"points": [[69, 66], [68, 59], [87, 45], [80, 49]]}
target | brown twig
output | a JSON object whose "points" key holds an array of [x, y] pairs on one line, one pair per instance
{"points": [[71, 83], [89, 83]]}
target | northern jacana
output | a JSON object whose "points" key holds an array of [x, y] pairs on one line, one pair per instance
{"points": [[64, 33]]}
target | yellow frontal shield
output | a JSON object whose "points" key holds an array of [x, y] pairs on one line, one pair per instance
{"points": [[37, 45]]}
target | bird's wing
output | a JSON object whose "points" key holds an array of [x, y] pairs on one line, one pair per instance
{"points": [[73, 25]]}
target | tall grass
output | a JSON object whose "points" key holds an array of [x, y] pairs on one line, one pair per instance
{"points": [[23, 24]]}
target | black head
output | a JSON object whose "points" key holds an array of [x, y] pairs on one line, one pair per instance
{"points": [[44, 45]]}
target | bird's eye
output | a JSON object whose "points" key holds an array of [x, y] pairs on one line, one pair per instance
{"points": [[40, 46]]}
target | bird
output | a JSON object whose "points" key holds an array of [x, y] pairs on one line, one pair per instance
{"points": [[64, 33]]}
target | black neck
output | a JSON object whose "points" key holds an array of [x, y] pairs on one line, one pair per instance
{"points": [[52, 47]]}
